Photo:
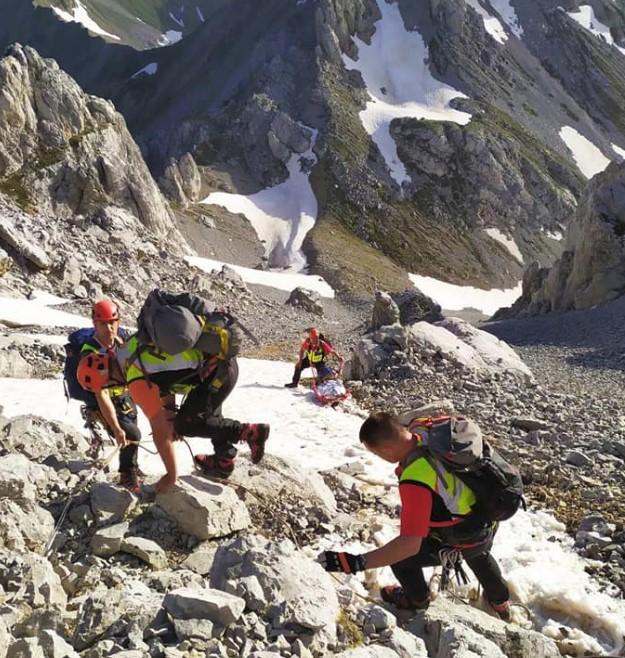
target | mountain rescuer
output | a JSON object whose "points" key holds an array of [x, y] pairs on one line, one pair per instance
{"points": [[314, 352], [184, 348], [116, 408], [438, 524]]}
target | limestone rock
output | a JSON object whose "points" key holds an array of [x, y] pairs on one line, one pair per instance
{"points": [[38, 438], [25, 526], [309, 300], [204, 509], [303, 594], [13, 364], [47, 645], [147, 550], [414, 306], [18, 476], [111, 503], [219, 607], [201, 560], [108, 541], [182, 181], [385, 311], [454, 631], [12, 236], [106, 614]]}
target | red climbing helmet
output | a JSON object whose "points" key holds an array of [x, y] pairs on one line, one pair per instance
{"points": [[93, 372], [105, 311]]}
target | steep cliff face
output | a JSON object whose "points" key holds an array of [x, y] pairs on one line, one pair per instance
{"points": [[592, 268], [64, 152]]}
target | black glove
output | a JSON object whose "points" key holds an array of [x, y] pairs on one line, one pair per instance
{"points": [[340, 561]]}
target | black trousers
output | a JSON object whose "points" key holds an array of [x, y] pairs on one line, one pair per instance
{"points": [[200, 415], [409, 572]]}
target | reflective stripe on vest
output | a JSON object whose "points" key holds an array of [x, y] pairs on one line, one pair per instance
{"points": [[456, 495], [152, 362]]}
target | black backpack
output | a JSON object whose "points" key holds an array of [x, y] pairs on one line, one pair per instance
{"points": [[457, 444], [76, 340]]}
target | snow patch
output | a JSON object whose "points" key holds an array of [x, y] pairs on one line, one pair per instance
{"points": [[17, 312], [80, 15], [588, 158], [200, 15], [554, 235], [585, 16], [170, 37], [618, 150], [149, 69], [281, 215], [271, 278], [452, 297], [508, 14], [395, 70], [178, 21], [508, 243], [491, 24]]}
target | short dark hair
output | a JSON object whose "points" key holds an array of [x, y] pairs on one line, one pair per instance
{"points": [[379, 428]]}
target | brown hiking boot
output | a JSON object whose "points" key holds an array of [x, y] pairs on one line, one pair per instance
{"points": [[255, 435], [396, 595], [502, 610], [213, 466], [130, 480]]}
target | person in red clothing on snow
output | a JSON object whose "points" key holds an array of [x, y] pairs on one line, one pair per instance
{"points": [[314, 353], [429, 529]]}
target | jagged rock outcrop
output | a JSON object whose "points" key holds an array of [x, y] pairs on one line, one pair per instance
{"points": [[592, 268], [65, 152], [182, 181]]}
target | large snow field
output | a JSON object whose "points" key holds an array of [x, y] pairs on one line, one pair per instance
{"points": [[585, 16], [395, 70], [80, 15], [281, 215], [274, 279], [588, 158], [19, 312], [491, 24], [507, 242], [452, 297]]}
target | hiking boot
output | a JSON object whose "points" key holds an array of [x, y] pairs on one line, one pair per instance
{"points": [[130, 480], [256, 435], [502, 610], [397, 596], [213, 466], [291, 385]]}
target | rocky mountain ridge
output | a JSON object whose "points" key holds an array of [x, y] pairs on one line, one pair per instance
{"points": [[218, 92]]}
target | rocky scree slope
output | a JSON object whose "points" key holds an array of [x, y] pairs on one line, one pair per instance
{"points": [[591, 269], [563, 431], [233, 93]]}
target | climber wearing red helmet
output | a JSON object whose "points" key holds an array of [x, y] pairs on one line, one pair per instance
{"points": [[314, 351], [96, 373]]}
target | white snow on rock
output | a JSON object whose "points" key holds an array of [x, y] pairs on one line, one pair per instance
{"points": [[281, 215], [17, 312], [170, 37], [546, 575], [452, 297], [80, 15], [618, 150], [585, 16], [508, 14], [396, 72], [200, 15], [588, 158], [274, 279], [149, 69], [507, 242], [491, 24]]}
